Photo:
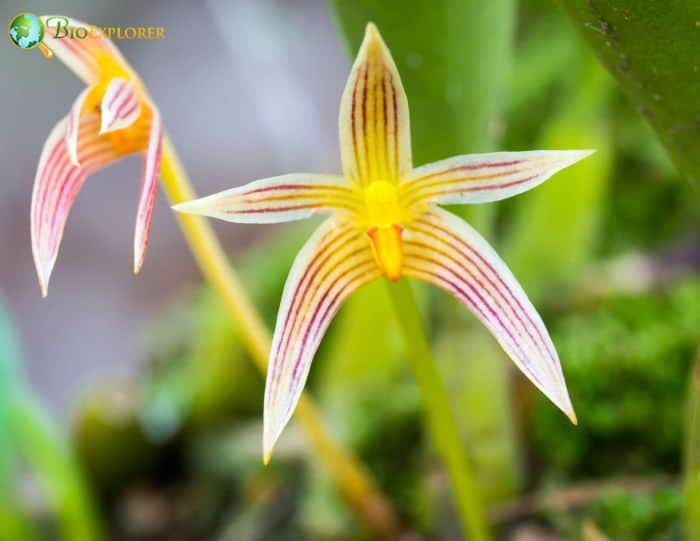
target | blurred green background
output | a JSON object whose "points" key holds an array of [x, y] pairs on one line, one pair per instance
{"points": [[609, 252]]}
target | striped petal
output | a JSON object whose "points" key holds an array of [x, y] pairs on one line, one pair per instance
{"points": [[93, 58], [73, 124], [443, 250], [149, 188], [120, 105], [480, 178], [375, 138], [277, 199], [335, 261], [57, 184]]}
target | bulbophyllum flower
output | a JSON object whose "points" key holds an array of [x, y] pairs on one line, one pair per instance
{"points": [[385, 219], [112, 118]]}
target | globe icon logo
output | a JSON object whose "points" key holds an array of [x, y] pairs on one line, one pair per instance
{"points": [[26, 31]]}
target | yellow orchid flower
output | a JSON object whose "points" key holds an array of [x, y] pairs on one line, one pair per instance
{"points": [[112, 118], [385, 220]]}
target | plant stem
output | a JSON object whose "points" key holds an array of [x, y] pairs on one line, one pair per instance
{"points": [[351, 477], [441, 421], [691, 458]]}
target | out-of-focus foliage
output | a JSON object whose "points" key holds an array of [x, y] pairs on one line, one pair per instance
{"points": [[627, 367], [648, 204], [652, 48], [32, 446], [627, 516], [14, 521]]}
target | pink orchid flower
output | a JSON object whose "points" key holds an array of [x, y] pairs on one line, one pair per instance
{"points": [[112, 118]]}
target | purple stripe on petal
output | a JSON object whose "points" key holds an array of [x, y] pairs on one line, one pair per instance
{"points": [[492, 317], [120, 105], [444, 250], [505, 294], [478, 178], [149, 188], [331, 238], [334, 262], [482, 264], [57, 184]]}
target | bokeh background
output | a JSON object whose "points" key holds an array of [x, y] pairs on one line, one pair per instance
{"points": [[138, 410]]}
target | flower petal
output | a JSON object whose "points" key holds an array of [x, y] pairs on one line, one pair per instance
{"points": [[480, 178], [375, 134], [93, 58], [73, 124], [57, 184], [149, 188], [277, 199], [335, 261], [443, 250], [120, 105]]}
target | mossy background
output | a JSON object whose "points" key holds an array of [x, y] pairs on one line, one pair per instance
{"points": [[609, 251]]}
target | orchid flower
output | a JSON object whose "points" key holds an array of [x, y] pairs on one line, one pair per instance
{"points": [[111, 118], [385, 219]]}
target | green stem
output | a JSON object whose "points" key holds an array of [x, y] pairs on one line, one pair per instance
{"points": [[441, 421], [691, 458]]}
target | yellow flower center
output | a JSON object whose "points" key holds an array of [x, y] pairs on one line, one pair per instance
{"points": [[384, 217], [382, 201]]}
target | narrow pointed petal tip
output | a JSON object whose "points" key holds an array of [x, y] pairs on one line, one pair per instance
{"points": [[565, 405], [199, 207], [267, 451], [189, 207], [573, 418], [44, 286], [578, 155], [43, 273], [371, 31]]}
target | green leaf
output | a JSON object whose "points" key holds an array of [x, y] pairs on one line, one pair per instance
{"points": [[653, 50]]}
